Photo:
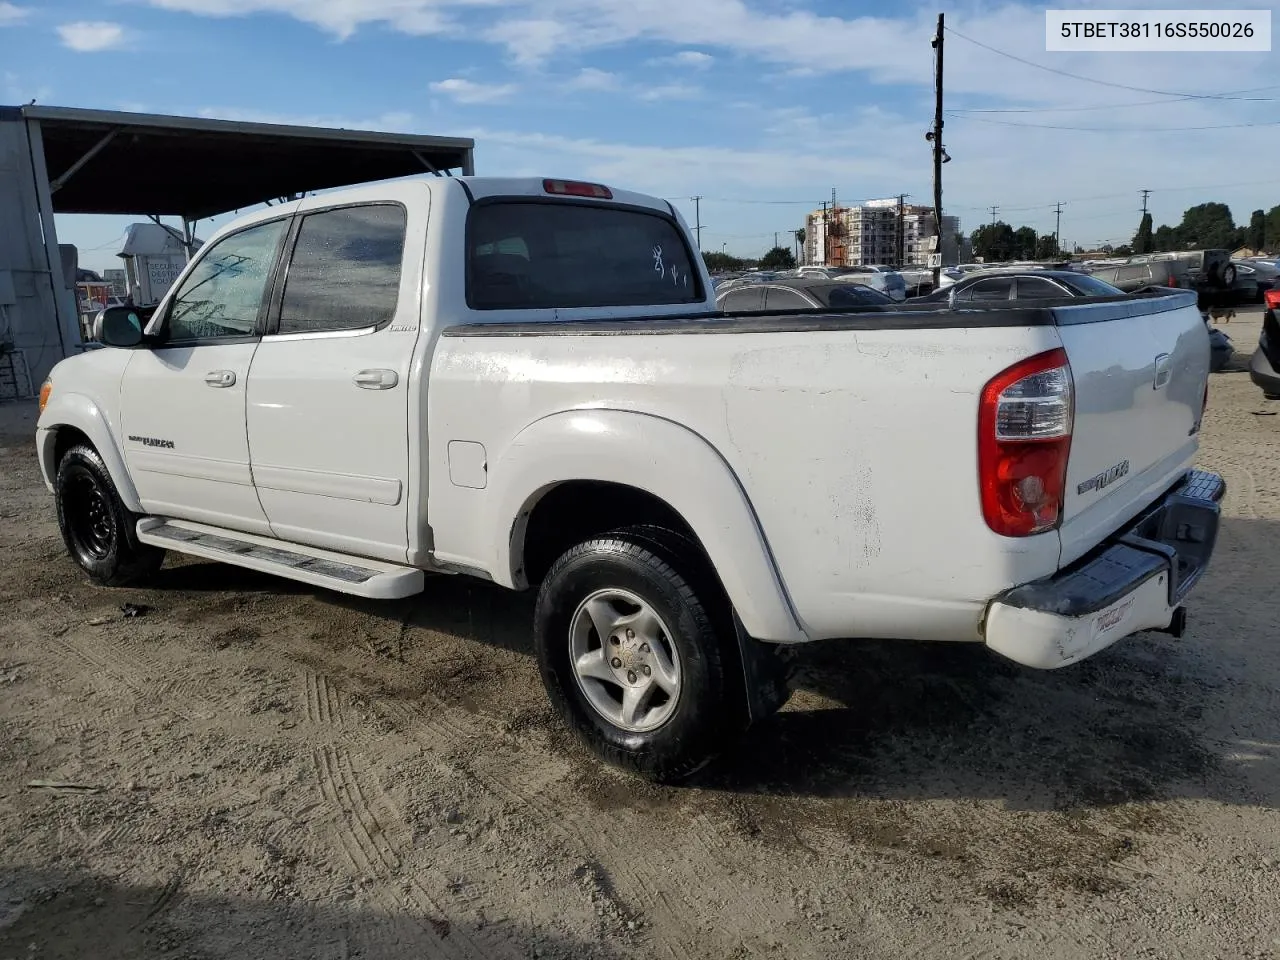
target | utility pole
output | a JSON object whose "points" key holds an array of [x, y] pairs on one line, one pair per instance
{"points": [[697, 218], [937, 142], [1145, 194], [775, 238], [994, 210], [1057, 227]]}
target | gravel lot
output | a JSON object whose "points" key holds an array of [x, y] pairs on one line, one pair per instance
{"points": [[260, 769]]}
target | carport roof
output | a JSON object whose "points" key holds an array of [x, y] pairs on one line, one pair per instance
{"points": [[102, 161]]}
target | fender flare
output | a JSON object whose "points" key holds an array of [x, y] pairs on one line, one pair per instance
{"points": [[666, 460], [81, 412]]}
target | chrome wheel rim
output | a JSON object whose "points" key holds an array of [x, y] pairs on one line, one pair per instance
{"points": [[624, 660]]}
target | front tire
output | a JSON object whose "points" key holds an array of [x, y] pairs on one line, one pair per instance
{"points": [[99, 530], [633, 656]]}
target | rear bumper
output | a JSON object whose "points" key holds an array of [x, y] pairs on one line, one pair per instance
{"points": [[1263, 374], [1136, 581]]}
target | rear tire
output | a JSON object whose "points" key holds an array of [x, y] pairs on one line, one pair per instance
{"points": [[634, 655], [99, 530]]}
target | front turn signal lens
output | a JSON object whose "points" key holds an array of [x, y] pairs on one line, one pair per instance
{"points": [[46, 389]]}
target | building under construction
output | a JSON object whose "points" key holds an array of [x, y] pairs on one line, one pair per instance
{"points": [[888, 232]]}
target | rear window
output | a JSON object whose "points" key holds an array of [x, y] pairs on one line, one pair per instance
{"points": [[523, 255], [1091, 286], [850, 295]]}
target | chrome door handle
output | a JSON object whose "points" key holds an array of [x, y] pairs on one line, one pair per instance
{"points": [[376, 379], [220, 378]]}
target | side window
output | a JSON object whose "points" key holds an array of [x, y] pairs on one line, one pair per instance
{"points": [[345, 270], [1039, 288], [222, 295], [781, 299], [742, 301], [993, 288], [1140, 272]]}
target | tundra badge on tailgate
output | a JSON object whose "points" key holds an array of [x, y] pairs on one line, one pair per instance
{"points": [[1104, 479]]}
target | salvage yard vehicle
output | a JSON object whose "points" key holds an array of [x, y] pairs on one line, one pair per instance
{"points": [[527, 381], [1264, 366]]}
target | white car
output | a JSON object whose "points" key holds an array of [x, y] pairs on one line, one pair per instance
{"points": [[527, 381]]}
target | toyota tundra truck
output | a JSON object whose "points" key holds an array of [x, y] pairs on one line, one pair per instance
{"points": [[527, 381]]}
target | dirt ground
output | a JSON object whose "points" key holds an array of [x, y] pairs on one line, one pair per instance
{"points": [[260, 769]]}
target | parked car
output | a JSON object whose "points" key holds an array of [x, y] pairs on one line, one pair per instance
{"points": [[1143, 273], [527, 381], [1244, 287], [803, 293], [1264, 272], [889, 282], [1264, 367], [988, 286]]}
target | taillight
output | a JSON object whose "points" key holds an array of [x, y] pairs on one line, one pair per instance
{"points": [[1173, 281], [576, 188], [1272, 297], [1024, 439]]}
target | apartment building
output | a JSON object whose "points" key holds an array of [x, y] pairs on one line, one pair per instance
{"points": [[868, 234]]}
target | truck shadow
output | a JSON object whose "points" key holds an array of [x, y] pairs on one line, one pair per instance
{"points": [[1146, 719], [71, 914]]}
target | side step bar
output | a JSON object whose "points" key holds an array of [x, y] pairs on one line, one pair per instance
{"points": [[321, 568]]}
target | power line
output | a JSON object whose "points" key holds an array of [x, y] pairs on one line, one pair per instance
{"points": [[1077, 76], [1125, 129], [1228, 95]]}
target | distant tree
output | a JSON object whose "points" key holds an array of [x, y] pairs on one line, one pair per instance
{"points": [[1257, 238], [1273, 227], [1124, 250], [1024, 243], [1047, 248], [779, 258], [1142, 240], [1208, 225], [994, 242], [1165, 239], [800, 235], [718, 262]]}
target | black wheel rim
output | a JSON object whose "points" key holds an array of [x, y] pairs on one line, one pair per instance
{"points": [[89, 516]]}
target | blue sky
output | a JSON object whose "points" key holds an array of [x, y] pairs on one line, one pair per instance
{"points": [[760, 106]]}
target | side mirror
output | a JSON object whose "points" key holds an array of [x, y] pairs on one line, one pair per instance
{"points": [[118, 327]]}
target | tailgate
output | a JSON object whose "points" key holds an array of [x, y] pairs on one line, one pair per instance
{"points": [[1140, 368]]}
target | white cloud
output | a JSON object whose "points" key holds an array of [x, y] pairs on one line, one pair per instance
{"points": [[11, 14], [589, 78], [686, 58], [670, 91], [468, 91], [90, 36]]}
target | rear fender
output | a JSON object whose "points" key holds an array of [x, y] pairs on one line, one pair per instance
{"points": [[666, 460], [78, 411]]}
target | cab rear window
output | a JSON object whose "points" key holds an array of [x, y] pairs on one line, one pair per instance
{"points": [[529, 255]]}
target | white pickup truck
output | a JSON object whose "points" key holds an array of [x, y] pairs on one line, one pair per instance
{"points": [[527, 381]]}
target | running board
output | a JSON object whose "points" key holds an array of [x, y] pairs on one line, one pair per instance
{"points": [[321, 568]]}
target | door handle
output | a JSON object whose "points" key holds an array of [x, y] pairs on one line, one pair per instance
{"points": [[376, 379], [220, 378]]}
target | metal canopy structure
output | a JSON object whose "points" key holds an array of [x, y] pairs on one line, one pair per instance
{"points": [[67, 160], [101, 161]]}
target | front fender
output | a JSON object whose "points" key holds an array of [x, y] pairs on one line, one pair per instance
{"points": [[78, 411], [666, 460]]}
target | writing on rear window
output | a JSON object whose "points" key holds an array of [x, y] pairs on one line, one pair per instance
{"points": [[523, 255]]}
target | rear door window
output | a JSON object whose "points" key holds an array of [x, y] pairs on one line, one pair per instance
{"points": [[993, 288], [778, 298], [528, 255], [742, 300]]}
